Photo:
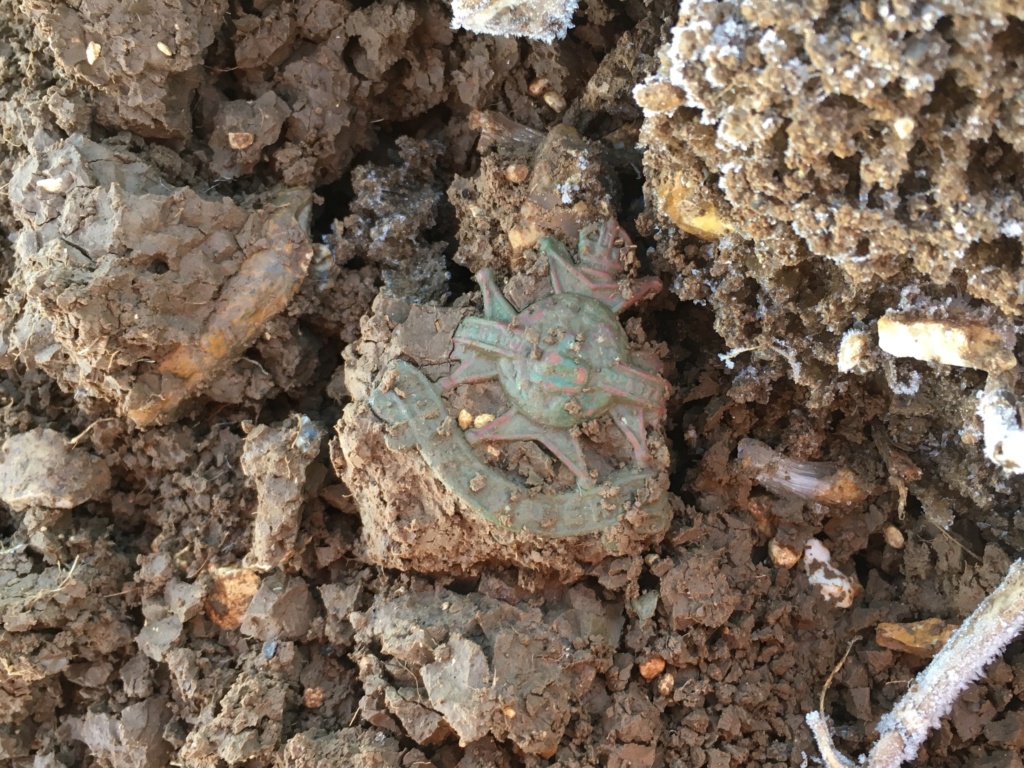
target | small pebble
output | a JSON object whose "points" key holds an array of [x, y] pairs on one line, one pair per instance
{"points": [[313, 698], [50, 185], [666, 684], [555, 100], [782, 555], [921, 638], [651, 667], [517, 173], [538, 86], [904, 127], [240, 139], [894, 537]]}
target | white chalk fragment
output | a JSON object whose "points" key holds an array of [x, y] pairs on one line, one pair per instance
{"points": [[834, 585], [855, 352], [1001, 427], [50, 185], [951, 342], [904, 127], [92, 52], [544, 20]]}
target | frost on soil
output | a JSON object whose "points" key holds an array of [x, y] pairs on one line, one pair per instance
{"points": [[543, 20], [843, 163]]}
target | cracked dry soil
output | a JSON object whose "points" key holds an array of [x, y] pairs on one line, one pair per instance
{"points": [[222, 219]]}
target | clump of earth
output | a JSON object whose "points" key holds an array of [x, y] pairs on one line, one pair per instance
{"points": [[225, 223]]}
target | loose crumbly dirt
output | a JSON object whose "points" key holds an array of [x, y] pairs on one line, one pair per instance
{"points": [[221, 219]]}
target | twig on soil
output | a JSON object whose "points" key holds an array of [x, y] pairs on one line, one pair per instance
{"points": [[819, 727], [416, 680], [835, 670], [74, 441], [983, 636], [54, 590], [954, 540], [818, 724]]}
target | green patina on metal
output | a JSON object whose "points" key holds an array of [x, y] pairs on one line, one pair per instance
{"points": [[562, 361]]}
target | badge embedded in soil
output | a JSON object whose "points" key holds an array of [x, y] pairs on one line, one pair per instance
{"points": [[562, 361]]}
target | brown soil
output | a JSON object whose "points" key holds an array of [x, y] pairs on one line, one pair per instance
{"points": [[224, 220]]}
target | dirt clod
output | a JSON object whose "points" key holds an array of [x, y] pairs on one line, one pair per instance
{"points": [[40, 469], [277, 460], [281, 609]]}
